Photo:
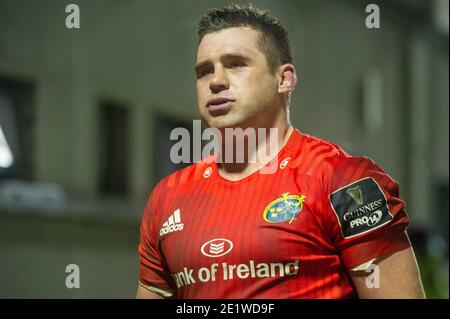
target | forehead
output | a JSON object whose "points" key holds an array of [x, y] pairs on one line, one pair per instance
{"points": [[242, 40]]}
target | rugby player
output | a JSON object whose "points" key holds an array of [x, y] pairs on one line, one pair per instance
{"points": [[317, 226]]}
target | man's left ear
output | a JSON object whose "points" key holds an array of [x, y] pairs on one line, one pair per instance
{"points": [[288, 78]]}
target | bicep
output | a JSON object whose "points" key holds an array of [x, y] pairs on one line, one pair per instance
{"points": [[143, 293], [394, 276]]}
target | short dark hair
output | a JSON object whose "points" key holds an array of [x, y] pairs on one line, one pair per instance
{"points": [[273, 41]]}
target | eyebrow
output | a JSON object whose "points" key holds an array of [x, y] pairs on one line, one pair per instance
{"points": [[228, 56]]}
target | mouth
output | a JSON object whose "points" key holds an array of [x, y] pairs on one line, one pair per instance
{"points": [[219, 105]]}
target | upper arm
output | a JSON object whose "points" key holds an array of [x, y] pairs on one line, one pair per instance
{"points": [[143, 293], [366, 217], [152, 292], [368, 225], [393, 276], [154, 276]]}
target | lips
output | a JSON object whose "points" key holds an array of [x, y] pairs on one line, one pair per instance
{"points": [[219, 105]]}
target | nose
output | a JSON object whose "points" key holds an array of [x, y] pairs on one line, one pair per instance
{"points": [[219, 81]]}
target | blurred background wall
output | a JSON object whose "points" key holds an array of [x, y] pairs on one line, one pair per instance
{"points": [[87, 113]]}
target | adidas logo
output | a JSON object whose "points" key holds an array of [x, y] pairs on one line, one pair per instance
{"points": [[172, 224]]}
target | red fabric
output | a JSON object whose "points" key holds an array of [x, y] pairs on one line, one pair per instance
{"points": [[264, 256]]}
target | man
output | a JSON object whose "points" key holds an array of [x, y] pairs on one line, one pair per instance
{"points": [[307, 223]]}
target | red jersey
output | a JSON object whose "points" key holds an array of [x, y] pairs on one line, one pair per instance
{"points": [[295, 233]]}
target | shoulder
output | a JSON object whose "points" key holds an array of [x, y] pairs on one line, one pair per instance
{"points": [[335, 167], [175, 184], [315, 156], [184, 177]]}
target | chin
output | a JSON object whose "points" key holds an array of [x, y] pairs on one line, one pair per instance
{"points": [[224, 121]]}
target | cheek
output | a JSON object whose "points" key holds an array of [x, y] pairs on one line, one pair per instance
{"points": [[257, 87], [202, 97], [201, 93]]}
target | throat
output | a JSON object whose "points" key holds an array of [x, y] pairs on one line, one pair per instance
{"points": [[238, 171], [248, 160]]}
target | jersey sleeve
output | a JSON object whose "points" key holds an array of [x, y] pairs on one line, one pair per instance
{"points": [[368, 219], [153, 273]]}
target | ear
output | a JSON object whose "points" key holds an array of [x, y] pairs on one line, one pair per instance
{"points": [[288, 78]]}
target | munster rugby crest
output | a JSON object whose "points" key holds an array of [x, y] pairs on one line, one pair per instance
{"points": [[284, 208]]}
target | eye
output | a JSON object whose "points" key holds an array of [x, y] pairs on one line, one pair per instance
{"points": [[203, 71], [236, 64]]}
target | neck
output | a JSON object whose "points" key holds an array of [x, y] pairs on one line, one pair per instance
{"points": [[244, 151]]}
